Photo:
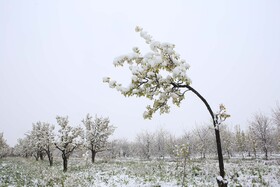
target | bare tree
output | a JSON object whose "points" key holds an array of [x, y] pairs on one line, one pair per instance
{"points": [[252, 143], [160, 143], [240, 140], [120, 148], [261, 128], [227, 140], [97, 133], [203, 139], [145, 142], [276, 115], [124, 148], [170, 142]]}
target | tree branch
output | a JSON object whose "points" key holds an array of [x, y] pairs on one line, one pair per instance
{"points": [[200, 97]]}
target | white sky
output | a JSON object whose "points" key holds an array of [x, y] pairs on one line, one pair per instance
{"points": [[54, 54]]}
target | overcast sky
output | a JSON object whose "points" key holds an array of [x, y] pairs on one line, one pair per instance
{"points": [[54, 54]]}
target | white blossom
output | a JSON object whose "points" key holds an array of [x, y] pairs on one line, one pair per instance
{"points": [[106, 79], [154, 74], [112, 83], [138, 29]]}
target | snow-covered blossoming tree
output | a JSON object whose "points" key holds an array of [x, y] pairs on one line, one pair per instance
{"points": [[161, 75], [69, 138], [43, 136], [22, 148], [97, 133], [34, 144]]}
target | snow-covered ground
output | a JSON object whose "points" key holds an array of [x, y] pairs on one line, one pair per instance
{"points": [[135, 172]]}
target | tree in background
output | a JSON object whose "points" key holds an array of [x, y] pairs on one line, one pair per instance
{"points": [[145, 144], [203, 140], [261, 128], [69, 138], [97, 132], [170, 142], [120, 148], [22, 147], [4, 147], [228, 140], [240, 140], [160, 75], [252, 143], [161, 143], [276, 120], [124, 148]]}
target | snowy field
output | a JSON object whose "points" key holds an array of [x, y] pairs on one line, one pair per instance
{"points": [[240, 172]]}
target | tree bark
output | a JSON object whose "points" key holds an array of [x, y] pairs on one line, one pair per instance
{"points": [[65, 163], [93, 154], [36, 156], [266, 155], [220, 157], [50, 157], [41, 155]]}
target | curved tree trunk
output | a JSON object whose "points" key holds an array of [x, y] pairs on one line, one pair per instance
{"points": [[221, 183]]}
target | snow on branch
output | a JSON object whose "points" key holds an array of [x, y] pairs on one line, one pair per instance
{"points": [[154, 75]]}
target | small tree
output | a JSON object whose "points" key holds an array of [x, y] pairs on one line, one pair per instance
{"points": [[96, 134], [182, 154], [160, 75], [68, 139]]}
